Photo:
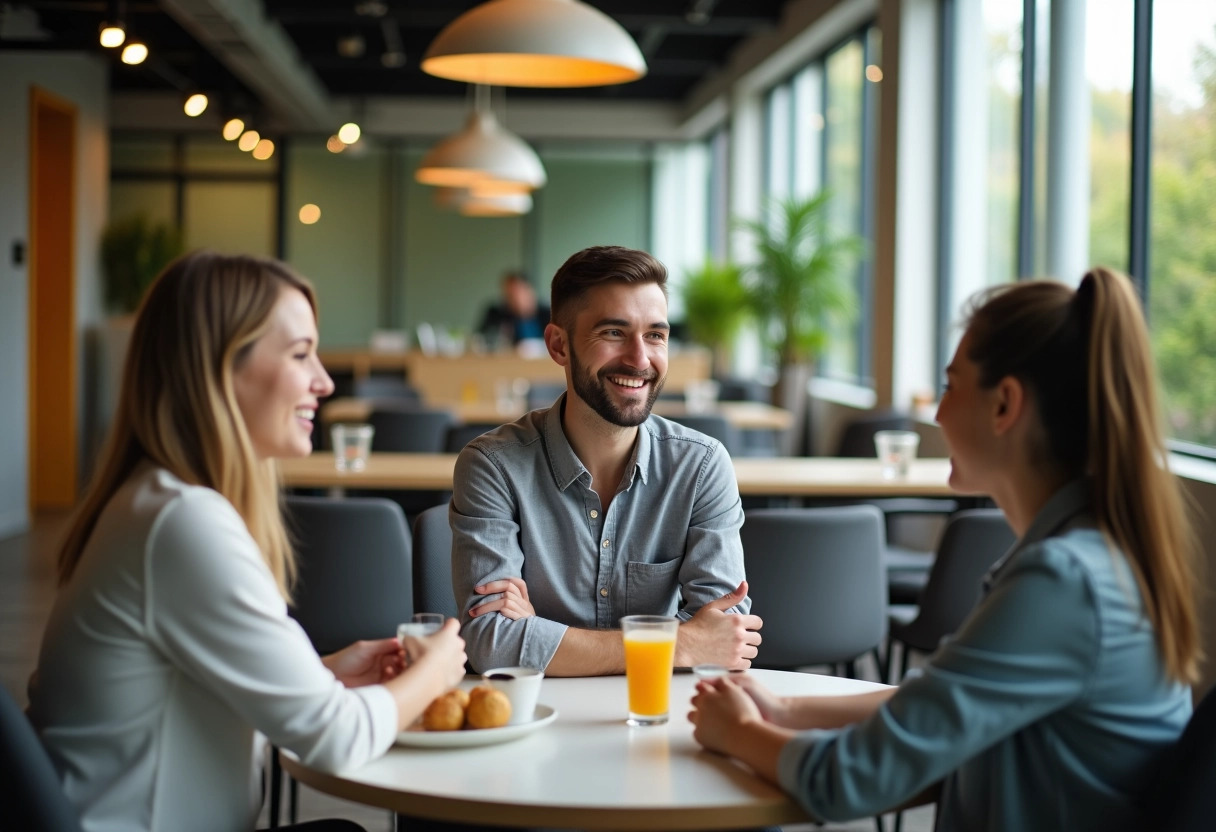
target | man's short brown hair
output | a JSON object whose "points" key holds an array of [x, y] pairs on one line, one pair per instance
{"points": [[596, 266]]}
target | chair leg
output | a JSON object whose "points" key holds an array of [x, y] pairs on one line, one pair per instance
{"points": [[850, 669], [892, 673], [880, 665], [878, 822], [903, 661], [276, 787], [899, 821], [293, 806]]}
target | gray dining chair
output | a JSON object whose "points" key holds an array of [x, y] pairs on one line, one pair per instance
{"points": [[31, 796], [715, 425], [816, 577], [355, 581], [462, 434], [407, 428], [973, 541], [433, 563], [912, 523]]}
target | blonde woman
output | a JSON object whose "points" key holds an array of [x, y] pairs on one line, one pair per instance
{"points": [[169, 656], [1046, 709]]}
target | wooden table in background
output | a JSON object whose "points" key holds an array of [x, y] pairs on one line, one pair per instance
{"points": [[825, 477], [446, 380], [743, 415]]}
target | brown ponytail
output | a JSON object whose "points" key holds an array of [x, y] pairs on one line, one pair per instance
{"points": [[1086, 357]]}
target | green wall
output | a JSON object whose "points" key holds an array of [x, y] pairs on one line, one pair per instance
{"points": [[383, 255], [343, 254]]}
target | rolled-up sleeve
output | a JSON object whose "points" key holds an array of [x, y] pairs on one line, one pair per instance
{"points": [[485, 547], [1029, 649], [713, 555]]}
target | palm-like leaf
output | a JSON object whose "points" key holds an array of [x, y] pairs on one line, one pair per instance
{"points": [[800, 282]]}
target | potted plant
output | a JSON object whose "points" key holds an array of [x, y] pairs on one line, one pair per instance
{"points": [[133, 252], [715, 306], [799, 287]]}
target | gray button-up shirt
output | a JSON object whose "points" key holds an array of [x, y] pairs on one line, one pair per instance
{"points": [[523, 506]]}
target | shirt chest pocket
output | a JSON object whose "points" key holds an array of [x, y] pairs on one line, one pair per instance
{"points": [[652, 588]]}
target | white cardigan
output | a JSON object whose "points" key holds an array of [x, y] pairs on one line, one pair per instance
{"points": [[167, 658]]}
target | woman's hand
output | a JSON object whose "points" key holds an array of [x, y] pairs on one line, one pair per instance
{"points": [[442, 652], [366, 662], [513, 602], [719, 709], [773, 708]]}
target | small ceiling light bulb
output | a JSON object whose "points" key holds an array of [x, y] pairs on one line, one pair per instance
{"points": [[134, 53], [112, 35], [349, 133], [195, 105], [335, 145], [233, 128], [309, 214], [249, 140], [873, 73], [263, 150]]}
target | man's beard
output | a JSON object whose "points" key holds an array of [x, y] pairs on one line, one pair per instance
{"points": [[594, 391]]}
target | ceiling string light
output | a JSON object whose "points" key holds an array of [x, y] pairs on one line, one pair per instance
{"points": [[233, 128], [113, 30], [195, 105], [483, 151], [535, 43], [134, 53]]}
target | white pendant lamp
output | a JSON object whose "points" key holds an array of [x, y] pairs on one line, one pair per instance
{"points": [[470, 204], [535, 43], [482, 150]]}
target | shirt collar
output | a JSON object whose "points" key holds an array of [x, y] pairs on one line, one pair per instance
{"points": [[1068, 503], [565, 464]]}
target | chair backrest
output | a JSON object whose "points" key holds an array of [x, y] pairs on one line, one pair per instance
{"points": [[355, 580], [858, 437], [1179, 793], [715, 425], [392, 387], [816, 577], [463, 434], [544, 393], [417, 430], [433, 563], [972, 541], [31, 795]]}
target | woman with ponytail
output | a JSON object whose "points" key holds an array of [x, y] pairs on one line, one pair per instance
{"points": [[169, 656], [1045, 711]]}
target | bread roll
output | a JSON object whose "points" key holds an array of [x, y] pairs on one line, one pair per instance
{"points": [[445, 713], [490, 709]]}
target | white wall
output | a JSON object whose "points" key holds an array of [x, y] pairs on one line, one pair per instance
{"points": [[82, 80]]}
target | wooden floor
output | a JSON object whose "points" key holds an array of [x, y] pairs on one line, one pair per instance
{"points": [[27, 587]]}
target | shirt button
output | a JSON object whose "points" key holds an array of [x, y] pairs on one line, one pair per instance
{"points": [[594, 514], [605, 543], [604, 592]]}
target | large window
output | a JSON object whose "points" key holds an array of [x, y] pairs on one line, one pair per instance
{"points": [[820, 128], [1007, 155], [1181, 282]]}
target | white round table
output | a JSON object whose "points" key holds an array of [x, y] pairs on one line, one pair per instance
{"points": [[586, 770]]}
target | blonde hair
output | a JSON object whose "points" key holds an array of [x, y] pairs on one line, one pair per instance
{"points": [[1085, 355], [178, 408]]}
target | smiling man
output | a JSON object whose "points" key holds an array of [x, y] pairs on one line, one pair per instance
{"points": [[572, 517]]}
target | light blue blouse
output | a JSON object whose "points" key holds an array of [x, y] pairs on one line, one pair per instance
{"points": [[1041, 714]]}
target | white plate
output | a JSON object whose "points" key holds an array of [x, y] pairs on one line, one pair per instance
{"points": [[420, 738]]}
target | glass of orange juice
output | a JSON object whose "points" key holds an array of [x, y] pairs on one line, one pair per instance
{"points": [[650, 649]]}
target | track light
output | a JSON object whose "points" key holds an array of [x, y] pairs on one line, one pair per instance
{"points": [[263, 150], [112, 34], [134, 53], [195, 105]]}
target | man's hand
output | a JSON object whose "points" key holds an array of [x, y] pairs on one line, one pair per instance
{"points": [[714, 636], [512, 603]]}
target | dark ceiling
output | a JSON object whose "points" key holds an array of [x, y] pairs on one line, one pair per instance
{"points": [[345, 43]]}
